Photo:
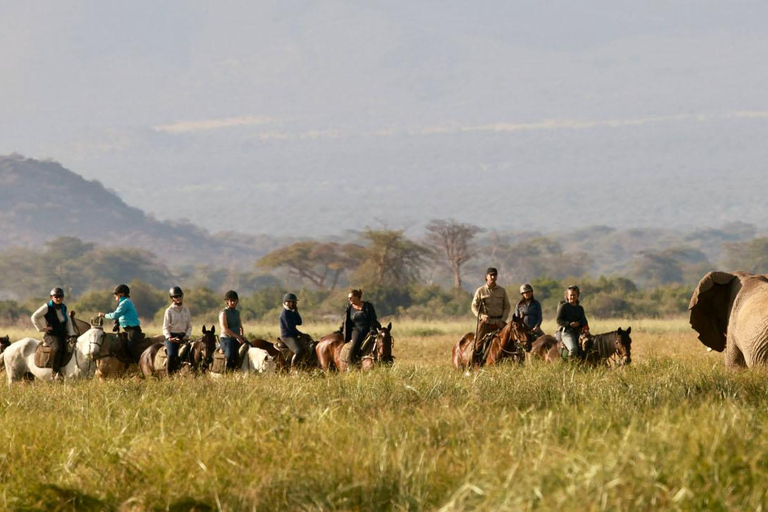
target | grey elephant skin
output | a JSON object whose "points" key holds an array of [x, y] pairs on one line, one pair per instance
{"points": [[729, 310]]}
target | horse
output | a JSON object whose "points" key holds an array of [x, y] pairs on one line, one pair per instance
{"points": [[597, 349], [309, 360], [329, 349], [201, 351], [510, 343], [109, 352], [194, 355], [19, 361]]}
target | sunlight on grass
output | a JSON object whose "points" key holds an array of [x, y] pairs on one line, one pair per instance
{"points": [[669, 432]]}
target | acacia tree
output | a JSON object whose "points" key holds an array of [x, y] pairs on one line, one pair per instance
{"points": [[452, 240], [390, 259], [319, 263]]}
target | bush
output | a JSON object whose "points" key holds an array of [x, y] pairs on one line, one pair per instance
{"points": [[12, 312]]}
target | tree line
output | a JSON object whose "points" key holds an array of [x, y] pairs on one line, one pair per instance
{"points": [[432, 276]]}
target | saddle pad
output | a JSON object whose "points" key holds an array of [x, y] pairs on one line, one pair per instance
{"points": [[345, 352], [161, 360], [219, 362]]}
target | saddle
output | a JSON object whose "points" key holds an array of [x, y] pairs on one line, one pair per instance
{"points": [[365, 349], [220, 359], [483, 346], [309, 345], [161, 358], [48, 348]]}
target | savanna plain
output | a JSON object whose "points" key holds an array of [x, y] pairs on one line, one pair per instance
{"points": [[674, 430]]}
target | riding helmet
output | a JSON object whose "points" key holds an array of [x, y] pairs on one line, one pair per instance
{"points": [[290, 297], [176, 292], [525, 288], [57, 291], [122, 288], [231, 295]]}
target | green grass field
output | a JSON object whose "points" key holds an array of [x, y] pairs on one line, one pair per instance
{"points": [[674, 431]]}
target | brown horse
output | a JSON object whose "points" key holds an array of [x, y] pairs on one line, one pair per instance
{"points": [[510, 343], [201, 351], [5, 342], [329, 349], [614, 346], [109, 351]]}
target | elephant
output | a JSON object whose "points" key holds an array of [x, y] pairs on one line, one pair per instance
{"points": [[729, 310]]}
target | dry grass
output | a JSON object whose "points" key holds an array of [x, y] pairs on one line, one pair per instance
{"points": [[673, 431]]}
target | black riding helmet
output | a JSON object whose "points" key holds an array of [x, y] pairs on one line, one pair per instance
{"points": [[289, 297], [58, 292], [122, 288], [231, 295], [176, 292]]}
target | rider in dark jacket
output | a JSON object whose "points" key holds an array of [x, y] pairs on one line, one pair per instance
{"points": [[289, 332], [359, 319], [571, 320]]}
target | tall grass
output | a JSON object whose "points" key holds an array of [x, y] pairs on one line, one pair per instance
{"points": [[675, 430]]}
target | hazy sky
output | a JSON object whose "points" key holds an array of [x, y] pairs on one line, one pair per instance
{"points": [[183, 107]]}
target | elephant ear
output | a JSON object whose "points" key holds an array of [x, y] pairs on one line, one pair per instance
{"points": [[710, 308]]}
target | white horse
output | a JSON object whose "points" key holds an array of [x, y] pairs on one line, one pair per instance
{"points": [[19, 359], [257, 360]]}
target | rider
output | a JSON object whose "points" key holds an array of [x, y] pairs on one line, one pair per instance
{"points": [[291, 336], [490, 305], [52, 319], [359, 319], [127, 317], [571, 320], [529, 309], [177, 327], [231, 329]]}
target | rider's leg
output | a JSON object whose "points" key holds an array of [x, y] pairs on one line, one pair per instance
{"points": [[172, 351], [297, 348], [230, 348], [571, 342], [356, 341]]}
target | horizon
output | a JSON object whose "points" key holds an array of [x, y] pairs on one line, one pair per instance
{"points": [[518, 116]]}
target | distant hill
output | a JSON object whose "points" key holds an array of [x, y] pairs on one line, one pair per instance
{"points": [[42, 200]]}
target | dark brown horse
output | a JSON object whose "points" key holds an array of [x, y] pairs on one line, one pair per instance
{"points": [[614, 346], [5, 342], [510, 343], [201, 351], [329, 350]]}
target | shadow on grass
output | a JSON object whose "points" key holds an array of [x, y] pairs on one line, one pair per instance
{"points": [[52, 498]]}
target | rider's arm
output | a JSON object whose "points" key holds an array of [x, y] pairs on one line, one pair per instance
{"points": [[534, 310], [188, 331], [507, 307], [374, 320], [561, 320], [225, 332], [38, 318], [118, 312], [167, 324], [476, 302]]}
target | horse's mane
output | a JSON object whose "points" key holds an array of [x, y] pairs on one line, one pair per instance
{"points": [[603, 343]]}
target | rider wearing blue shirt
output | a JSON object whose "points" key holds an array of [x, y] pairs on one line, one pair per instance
{"points": [[127, 317]]}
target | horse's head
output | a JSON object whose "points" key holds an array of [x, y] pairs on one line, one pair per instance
{"points": [[382, 347], [91, 341], [518, 333], [207, 345], [624, 345]]}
